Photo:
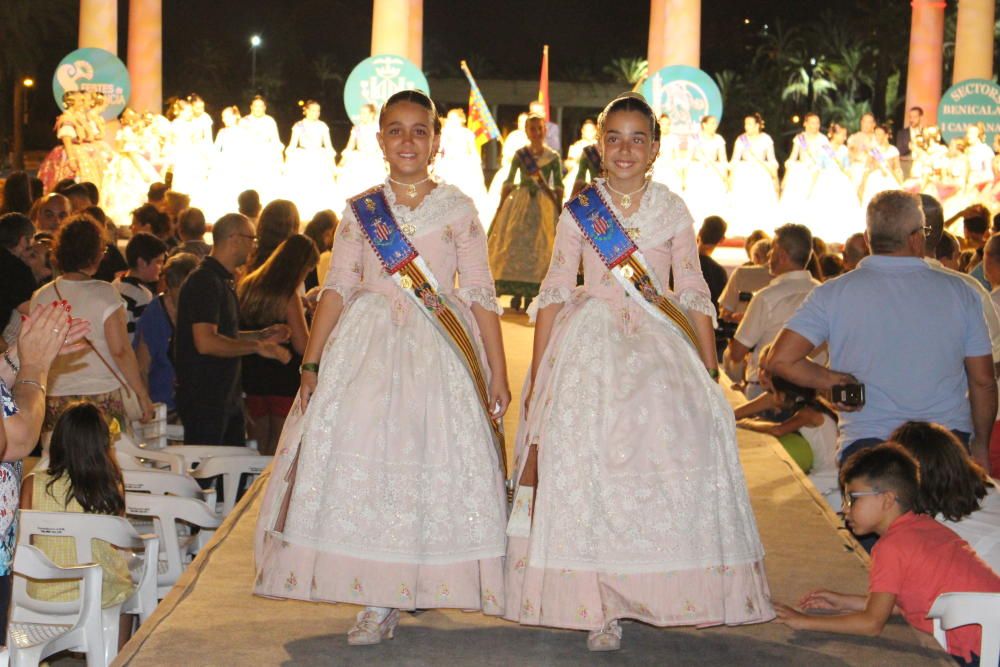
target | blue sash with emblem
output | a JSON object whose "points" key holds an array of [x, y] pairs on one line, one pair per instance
{"points": [[534, 172], [409, 271], [624, 261]]}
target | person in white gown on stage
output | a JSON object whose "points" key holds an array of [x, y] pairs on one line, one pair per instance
{"points": [[834, 210], [670, 165], [802, 170], [129, 175], [753, 199], [883, 171], [707, 180], [309, 164], [980, 157], [262, 150], [858, 146], [575, 158], [458, 162], [187, 156], [225, 180], [361, 163]]}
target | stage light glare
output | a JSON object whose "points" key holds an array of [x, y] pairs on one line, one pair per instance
{"points": [[812, 61], [255, 41], [746, 21], [28, 82], [795, 118]]}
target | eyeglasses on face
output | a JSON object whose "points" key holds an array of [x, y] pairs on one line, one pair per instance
{"points": [[252, 238], [849, 498]]}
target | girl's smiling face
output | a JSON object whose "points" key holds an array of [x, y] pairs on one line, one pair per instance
{"points": [[407, 138]]}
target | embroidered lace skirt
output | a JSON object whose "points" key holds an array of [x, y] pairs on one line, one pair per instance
{"points": [[387, 491], [641, 508]]}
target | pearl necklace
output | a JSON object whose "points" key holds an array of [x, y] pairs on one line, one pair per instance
{"points": [[626, 197], [411, 188]]}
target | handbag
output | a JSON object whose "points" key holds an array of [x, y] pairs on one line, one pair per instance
{"points": [[130, 400]]}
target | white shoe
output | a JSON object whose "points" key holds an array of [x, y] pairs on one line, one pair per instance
{"points": [[608, 638], [370, 630]]}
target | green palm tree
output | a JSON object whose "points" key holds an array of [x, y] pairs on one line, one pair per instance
{"points": [[628, 70]]}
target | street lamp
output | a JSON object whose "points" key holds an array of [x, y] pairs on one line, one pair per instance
{"points": [[20, 119], [254, 44]]}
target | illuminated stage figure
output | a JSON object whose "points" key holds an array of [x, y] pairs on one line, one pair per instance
{"points": [[127, 179], [102, 152], [981, 175], [387, 490], [74, 158], [262, 150], [361, 164], [803, 167], [512, 143], [640, 508], [309, 164], [671, 163], [833, 211], [753, 199], [706, 183], [227, 163], [188, 159], [154, 131], [859, 145], [458, 162], [883, 171], [521, 236], [928, 172], [577, 159]]}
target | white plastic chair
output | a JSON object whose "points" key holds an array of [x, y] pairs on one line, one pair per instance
{"points": [[952, 610], [195, 454], [168, 514], [131, 456], [31, 641], [163, 483], [114, 530], [231, 469], [153, 434]]}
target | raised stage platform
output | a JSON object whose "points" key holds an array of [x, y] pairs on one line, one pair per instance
{"points": [[211, 617]]}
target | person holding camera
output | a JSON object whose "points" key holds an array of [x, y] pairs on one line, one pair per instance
{"points": [[907, 341], [771, 307]]}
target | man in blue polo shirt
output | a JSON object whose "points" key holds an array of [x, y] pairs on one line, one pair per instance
{"points": [[914, 336]]}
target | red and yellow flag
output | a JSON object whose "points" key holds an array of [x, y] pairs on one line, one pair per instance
{"points": [[480, 120]]}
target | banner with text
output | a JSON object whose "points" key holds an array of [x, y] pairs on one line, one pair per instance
{"points": [[376, 79], [968, 103]]}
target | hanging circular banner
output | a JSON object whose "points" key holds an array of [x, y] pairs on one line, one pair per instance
{"points": [[94, 70], [967, 103], [685, 94], [376, 79]]}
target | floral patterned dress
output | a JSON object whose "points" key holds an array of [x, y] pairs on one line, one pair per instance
{"points": [[10, 494], [387, 491], [641, 508]]}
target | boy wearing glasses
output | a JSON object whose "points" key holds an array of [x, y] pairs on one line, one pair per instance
{"points": [[914, 561]]}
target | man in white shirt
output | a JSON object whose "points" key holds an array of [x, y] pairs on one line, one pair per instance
{"points": [[772, 306]]}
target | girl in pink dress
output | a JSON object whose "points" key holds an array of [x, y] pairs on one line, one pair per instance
{"points": [[387, 489], [641, 509]]}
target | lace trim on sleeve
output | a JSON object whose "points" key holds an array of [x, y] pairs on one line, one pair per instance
{"points": [[343, 290], [699, 303], [547, 297], [484, 296]]}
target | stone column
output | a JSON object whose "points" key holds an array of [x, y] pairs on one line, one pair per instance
{"points": [[974, 40], [398, 28], [145, 54], [674, 33], [99, 25], [923, 78]]}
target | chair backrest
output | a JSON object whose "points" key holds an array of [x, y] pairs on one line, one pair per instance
{"points": [[83, 528], [231, 469], [166, 512], [162, 483], [143, 458], [194, 454], [87, 633], [952, 610]]}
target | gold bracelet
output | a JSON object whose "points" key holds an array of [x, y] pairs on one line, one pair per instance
{"points": [[33, 383]]}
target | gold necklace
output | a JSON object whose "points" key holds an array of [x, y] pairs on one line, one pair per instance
{"points": [[411, 188], [626, 197]]}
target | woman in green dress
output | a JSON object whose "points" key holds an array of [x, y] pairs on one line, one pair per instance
{"points": [[522, 234]]}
